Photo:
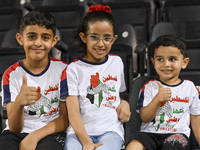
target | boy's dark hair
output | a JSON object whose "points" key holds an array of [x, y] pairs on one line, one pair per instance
{"points": [[40, 18], [92, 17], [171, 40]]}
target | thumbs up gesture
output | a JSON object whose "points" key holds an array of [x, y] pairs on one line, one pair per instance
{"points": [[27, 95], [164, 94]]}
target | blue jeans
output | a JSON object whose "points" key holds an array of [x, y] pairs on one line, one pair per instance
{"points": [[111, 141]]}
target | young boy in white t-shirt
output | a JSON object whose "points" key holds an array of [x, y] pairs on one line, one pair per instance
{"points": [[37, 117], [167, 105]]}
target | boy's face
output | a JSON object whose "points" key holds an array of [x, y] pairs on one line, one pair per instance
{"points": [[168, 62], [37, 42]]}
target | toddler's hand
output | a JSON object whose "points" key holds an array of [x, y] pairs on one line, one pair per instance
{"points": [[164, 94]]}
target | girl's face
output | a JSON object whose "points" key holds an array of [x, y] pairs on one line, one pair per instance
{"points": [[96, 52]]}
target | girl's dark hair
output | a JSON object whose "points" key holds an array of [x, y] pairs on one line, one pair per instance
{"points": [[92, 17], [171, 40], [39, 18]]}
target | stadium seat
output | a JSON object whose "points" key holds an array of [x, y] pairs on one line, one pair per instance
{"points": [[10, 3], [138, 13], [127, 36], [10, 18], [189, 30], [179, 10], [63, 2]]}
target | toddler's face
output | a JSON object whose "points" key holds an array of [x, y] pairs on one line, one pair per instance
{"points": [[168, 62]]}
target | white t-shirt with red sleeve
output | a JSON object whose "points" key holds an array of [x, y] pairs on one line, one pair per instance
{"points": [[97, 86], [173, 116], [46, 108]]}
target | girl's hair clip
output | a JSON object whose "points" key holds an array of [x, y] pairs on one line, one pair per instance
{"points": [[100, 7]]}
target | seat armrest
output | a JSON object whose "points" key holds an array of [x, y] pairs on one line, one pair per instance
{"points": [[141, 48], [4, 114], [60, 45]]}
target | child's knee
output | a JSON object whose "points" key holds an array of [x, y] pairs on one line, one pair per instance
{"points": [[135, 144]]}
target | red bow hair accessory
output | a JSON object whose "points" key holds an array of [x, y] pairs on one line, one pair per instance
{"points": [[100, 7]]}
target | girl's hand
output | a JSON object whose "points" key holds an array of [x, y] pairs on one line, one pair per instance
{"points": [[123, 111], [91, 146]]}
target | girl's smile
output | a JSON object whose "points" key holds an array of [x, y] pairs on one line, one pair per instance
{"points": [[97, 51]]}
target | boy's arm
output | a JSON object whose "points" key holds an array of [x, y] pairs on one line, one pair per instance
{"points": [[77, 123], [57, 125], [123, 111], [15, 110], [15, 114], [195, 122], [149, 112]]}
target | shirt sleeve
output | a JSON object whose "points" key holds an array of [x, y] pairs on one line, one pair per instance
{"points": [[69, 83], [72, 81], [63, 88], [10, 89], [123, 84], [145, 95], [195, 105]]}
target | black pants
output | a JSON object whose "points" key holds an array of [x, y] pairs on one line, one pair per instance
{"points": [[10, 141], [154, 141]]}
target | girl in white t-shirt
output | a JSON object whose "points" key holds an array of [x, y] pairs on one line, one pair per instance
{"points": [[92, 85]]}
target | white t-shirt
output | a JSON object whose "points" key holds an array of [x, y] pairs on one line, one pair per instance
{"points": [[46, 107], [97, 86], [173, 116]]}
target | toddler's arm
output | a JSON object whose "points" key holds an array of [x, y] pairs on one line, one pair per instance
{"points": [[195, 122], [149, 112]]}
